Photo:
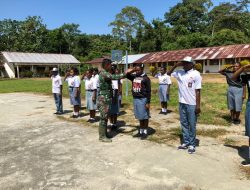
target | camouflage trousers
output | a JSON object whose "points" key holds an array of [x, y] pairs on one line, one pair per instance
{"points": [[104, 104]]}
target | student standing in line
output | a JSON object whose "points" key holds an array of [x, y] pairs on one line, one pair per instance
{"points": [[119, 91], [57, 90], [74, 90], [91, 94], [236, 92], [189, 86], [164, 89], [114, 108], [141, 91]]}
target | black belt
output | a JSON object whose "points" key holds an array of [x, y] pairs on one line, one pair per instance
{"points": [[90, 90]]}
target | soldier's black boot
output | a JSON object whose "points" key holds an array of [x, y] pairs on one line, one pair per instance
{"points": [[102, 134]]}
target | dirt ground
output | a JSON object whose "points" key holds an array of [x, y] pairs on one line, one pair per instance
{"points": [[42, 151]]}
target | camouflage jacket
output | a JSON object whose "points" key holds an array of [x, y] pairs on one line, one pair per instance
{"points": [[105, 80]]}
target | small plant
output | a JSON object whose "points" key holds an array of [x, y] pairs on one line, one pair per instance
{"points": [[152, 70], [26, 74], [244, 62], [226, 65], [198, 67]]}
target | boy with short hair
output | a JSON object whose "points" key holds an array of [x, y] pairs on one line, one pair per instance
{"points": [[189, 86], [57, 90]]}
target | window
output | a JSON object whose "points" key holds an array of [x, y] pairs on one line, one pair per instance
{"points": [[214, 62], [229, 61]]}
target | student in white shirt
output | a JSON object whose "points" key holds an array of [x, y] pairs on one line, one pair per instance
{"points": [[74, 90], [189, 86], [96, 77], [57, 90], [164, 89], [91, 94]]}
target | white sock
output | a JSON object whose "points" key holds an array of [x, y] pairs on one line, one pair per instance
{"points": [[145, 131], [162, 109], [141, 131]]}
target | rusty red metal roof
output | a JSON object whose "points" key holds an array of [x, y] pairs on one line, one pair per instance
{"points": [[98, 60], [220, 52]]}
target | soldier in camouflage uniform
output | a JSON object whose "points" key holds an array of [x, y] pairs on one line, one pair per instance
{"points": [[104, 98]]}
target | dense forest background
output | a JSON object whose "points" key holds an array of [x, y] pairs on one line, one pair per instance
{"points": [[189, 24]]}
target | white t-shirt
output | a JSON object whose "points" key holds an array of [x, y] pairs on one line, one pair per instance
{"points": [[56, 84], [96, 78], [90, 84], [115, 84], [188, 82], [164, 79], [73, 81]]}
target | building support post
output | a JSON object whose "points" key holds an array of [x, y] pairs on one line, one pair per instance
{"points": [[204, 66], [17, 69]]}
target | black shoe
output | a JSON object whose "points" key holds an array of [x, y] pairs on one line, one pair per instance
{"points": [[74, 116], [236, 121], [182, 147], [245, 163], [144, 136], [113, 127], [57, 113], [91, 120], [137, 135]]}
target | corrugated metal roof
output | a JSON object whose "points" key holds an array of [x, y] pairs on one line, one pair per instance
{"points": [[220, 52], [17, 57], [132, 58]]}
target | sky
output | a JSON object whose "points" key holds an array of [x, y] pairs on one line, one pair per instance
{"points": [[93, 16]]}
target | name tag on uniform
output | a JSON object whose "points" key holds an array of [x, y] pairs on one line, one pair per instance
{"points": [[190, 84]]}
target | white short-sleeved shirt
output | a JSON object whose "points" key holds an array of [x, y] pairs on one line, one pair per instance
{"points": [[188, 82], [164, 79], [90, 84], [56, 84], [96, 77], [115, 84], [73, 81]]}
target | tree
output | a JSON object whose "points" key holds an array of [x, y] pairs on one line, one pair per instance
{"points": [[70, 31], [9, 32], [243, 4], [228, 37], [189, 15], [229, 16], [33, 35], [56, 42], [127, 23]]}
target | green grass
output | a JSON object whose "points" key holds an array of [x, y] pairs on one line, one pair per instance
{"points": [[213, 97]]}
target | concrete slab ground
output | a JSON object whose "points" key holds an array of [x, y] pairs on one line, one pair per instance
{"points": [[40, 151]]}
